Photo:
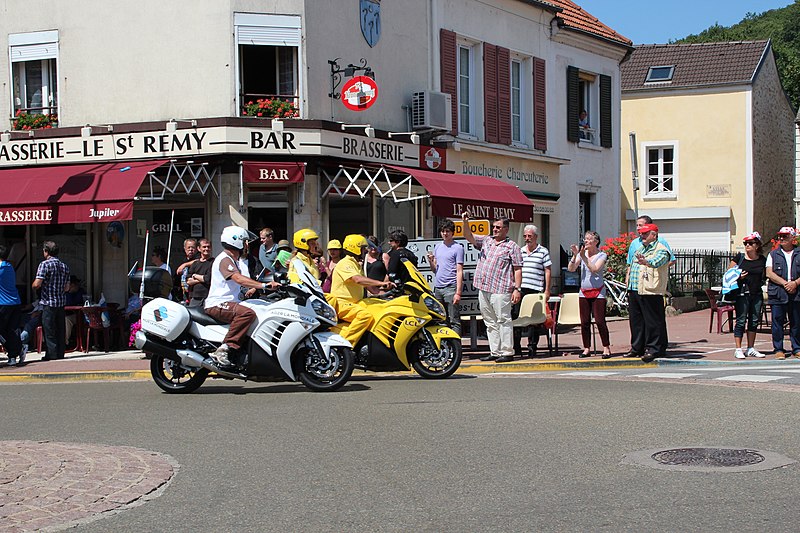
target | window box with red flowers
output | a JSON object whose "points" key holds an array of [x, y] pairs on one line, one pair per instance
{"points": [[270, 108], [34, 121]]}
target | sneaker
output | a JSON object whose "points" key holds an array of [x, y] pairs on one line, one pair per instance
{"points": [[780, 355], [220, 355], [752, 352], [738, 353], [22, 354], [12, 361]]}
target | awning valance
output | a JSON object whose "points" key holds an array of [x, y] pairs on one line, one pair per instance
{"points": [[271, 173], [483, 197], [71, 193]]}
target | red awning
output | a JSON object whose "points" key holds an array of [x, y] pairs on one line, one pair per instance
{"points": [[483, 197], [273, 173], [69, 194]]}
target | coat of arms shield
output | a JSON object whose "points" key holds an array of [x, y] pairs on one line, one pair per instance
{"points": [[370, 14]]}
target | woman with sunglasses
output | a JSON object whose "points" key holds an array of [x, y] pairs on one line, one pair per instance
{"points": [[750, 299]]}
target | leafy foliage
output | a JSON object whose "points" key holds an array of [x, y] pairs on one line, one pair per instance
{"points": [[781, 25], [33, 121], [270, 108], [616, 248]]}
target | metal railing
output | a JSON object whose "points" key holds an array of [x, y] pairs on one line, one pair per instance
{"points": [[696, 270]]}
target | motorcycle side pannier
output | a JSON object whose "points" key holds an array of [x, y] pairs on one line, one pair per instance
{"points": [[164, 318]]}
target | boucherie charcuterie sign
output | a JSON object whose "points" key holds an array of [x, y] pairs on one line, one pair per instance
{"points": [[208, 141]]}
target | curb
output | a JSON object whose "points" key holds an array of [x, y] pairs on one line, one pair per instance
{"points": [[543, 366], [105, 375]]}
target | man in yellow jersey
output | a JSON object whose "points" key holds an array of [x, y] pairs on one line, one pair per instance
{"points": [[306, 242], [347, 289]]}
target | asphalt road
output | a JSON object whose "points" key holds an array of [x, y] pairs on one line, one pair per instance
{"points": [[467, 454]]}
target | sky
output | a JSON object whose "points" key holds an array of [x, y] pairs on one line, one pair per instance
{"points": [[675, 19]]}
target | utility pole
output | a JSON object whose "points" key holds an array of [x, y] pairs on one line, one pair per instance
{"points": [[634, 174]]}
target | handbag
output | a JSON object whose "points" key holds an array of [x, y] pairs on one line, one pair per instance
{"points": [[590, 293]]}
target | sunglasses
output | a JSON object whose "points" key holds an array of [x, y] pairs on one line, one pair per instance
{"points": [[784, 236], [498, 227], [749, 243]]}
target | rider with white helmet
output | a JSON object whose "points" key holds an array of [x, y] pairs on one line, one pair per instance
{"points": [[229, 273]]}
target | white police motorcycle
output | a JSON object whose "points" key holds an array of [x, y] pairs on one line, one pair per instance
{"points": [[289, 339]]}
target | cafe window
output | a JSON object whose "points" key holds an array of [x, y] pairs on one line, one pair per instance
{"points": [[268, 52]]}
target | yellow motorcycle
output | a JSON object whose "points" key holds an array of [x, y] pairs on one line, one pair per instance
{"points": [[409, 331]]}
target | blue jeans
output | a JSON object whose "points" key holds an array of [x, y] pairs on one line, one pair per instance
{"points": [[779, 312], [748, 312]]}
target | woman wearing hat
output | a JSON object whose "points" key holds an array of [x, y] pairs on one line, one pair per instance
{"points": [[750, 299], [783, 272], [334, 255]]}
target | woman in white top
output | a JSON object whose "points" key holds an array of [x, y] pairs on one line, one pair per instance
{"points": [[592, 263]]}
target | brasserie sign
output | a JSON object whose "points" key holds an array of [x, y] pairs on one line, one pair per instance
{"points": [[206, 141]]}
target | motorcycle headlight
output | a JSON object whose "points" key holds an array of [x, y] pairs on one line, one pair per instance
{"points": [[323, 310], [434, 306]]}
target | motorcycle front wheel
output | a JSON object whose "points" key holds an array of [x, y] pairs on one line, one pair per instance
{"points": [[321, 375], [432, 363], [175, 378]]}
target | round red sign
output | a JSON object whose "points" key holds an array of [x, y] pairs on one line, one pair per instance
{"points": [[359, 93]]}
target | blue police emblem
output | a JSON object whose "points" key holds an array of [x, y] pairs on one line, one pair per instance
{"points": [[370, 14]]}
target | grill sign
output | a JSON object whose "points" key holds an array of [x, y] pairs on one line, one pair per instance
{"points": [[359, 93]]}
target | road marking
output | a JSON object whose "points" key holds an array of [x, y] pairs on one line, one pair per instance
{"points": [[752, 378], [509, 374], [787, 370], [666, 375], [589, 373]]}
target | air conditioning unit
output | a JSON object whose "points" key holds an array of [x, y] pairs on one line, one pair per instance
{"points": [[431, 111]]}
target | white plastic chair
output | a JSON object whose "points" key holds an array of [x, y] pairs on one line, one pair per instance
{"points": [[569, 314], [533, 312]]}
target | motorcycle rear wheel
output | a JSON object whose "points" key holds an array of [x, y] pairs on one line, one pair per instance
{"points": [[319, 375], [431, 363], [175, 378]]}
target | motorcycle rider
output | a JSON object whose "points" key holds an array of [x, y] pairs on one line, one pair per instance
{"points": [[347, 289], [229, 273], [306, 242]]}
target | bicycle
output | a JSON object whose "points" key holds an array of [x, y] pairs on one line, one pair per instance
{"points": [[616, 295]]}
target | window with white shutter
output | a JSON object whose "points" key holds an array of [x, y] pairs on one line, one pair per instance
{"points": [[33, 57]]}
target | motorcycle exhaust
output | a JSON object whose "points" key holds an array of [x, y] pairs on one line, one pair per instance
{"points": [[148, 344], [194, 359]]}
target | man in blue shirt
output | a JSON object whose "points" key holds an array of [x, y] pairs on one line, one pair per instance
{"points": [[10, 311]]}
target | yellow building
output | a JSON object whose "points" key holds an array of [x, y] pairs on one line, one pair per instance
{"points": [[714, 143]]}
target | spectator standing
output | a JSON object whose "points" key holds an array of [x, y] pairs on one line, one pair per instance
{"points": [[592, 297], [783, 272], [583, 124], [76, 295], [374, 264], [198, 275], [267, 251], [447, 262], [334, 255], [750, 299], [159, 257], [52, 279], [498, 278], [181, 276], [10, 311], [536, 273], [647, 284], [398, 240]]}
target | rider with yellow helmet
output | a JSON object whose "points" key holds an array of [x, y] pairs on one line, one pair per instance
{"points": [[306, 242]]}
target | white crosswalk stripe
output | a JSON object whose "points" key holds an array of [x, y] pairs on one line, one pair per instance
{"points": [[754, 378], [589, 373], [666, 375]]}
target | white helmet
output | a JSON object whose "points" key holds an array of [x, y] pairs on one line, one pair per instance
{"points": [[235, 236]]}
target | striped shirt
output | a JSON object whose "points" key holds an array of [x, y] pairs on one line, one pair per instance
{"points": [[534, 264], [55, 276], [495, 270]]}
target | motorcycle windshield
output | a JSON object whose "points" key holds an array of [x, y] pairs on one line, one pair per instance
{"points": [[416, 277], [306, 278]]}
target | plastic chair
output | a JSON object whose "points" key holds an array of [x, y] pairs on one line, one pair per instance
{"points": [[533, 311], [95, 326], [719, 311], [119, 327], [569, 314]]}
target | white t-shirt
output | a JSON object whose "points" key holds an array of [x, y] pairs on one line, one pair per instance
{"points": [[787, 255]]}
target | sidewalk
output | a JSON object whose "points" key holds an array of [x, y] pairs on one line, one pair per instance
{"points": [[690, 344]]}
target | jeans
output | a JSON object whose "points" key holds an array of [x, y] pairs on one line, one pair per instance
{"points": [[445, 294], [54, 329], [9, 322], [779, 312], [748, 312]]}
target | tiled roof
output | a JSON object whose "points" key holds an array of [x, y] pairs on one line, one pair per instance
{"points": [[575, 17], [695, 64]]}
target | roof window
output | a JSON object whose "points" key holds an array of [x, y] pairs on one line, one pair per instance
{"points": [[660, 74]]}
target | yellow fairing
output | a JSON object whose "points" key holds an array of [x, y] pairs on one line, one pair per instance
{"points": [[396, 322], [441, 332]]}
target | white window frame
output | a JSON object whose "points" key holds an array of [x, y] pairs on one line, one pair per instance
{"points": [[588, 81], [28, 47], [525, 95], [269, 30], [470, 130], [660, 195]]}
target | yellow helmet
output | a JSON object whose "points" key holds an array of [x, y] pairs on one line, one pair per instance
{"points": [[334, 244], [301, 238], [354, 244]]}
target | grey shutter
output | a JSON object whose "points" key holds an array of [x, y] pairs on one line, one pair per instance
{"points": [[573, 113], [606, 132]]}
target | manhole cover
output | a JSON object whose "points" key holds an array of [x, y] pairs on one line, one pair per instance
{"points": [[712, 457], [707, 459]]}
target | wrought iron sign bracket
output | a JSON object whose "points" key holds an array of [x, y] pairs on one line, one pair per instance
{"points": [[337, 72]]}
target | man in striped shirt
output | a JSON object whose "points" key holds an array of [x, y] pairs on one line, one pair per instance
{"points": [[498, 278], [536, 266]]}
